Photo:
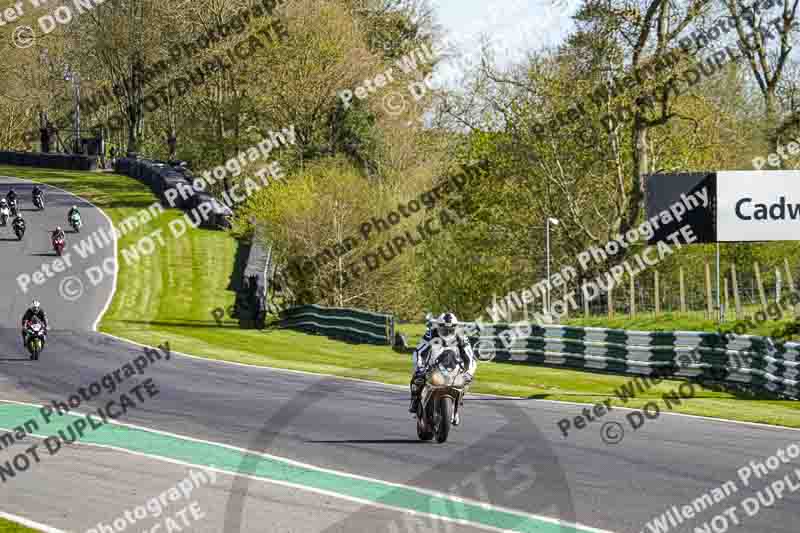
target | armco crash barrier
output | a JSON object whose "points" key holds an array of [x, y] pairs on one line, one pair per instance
{"points": [[49, 160], [743, 361], [157, 175], [340, 323], [162, 176]]}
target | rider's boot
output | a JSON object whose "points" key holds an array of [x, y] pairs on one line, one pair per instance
{"points": [[417, 381], [414, 397]]}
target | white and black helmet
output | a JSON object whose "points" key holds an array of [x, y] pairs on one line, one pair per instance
{"points": [[446, 324], [35, 305]]}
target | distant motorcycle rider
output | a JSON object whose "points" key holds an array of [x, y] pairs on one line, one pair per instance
{"points": [[35, 310], [19, 222], [73, 210], [443, 329], [11, 196], [37, 192], [59, 234]]}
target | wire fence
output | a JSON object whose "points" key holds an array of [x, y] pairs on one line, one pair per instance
{"points": [[743, 290]]}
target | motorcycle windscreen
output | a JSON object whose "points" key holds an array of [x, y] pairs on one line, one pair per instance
{"points": [[449, 359]]}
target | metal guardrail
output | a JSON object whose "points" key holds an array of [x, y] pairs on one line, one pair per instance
{"points": [[742, 360], [49, 160], [341, 323], [159, 176], [162, 177]]}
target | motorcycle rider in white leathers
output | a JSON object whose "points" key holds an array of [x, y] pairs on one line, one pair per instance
{"points": [[441, 328]]}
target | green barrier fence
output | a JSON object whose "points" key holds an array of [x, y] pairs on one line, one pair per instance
{"points": [[742, 361], [340, 323]]}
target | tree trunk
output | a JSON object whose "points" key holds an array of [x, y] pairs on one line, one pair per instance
{"points": [[135, 108], [135, 125], [639, 166]]}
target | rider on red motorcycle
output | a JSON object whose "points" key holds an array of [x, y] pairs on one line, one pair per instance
{"points": [[59, 240], [59, 234]]}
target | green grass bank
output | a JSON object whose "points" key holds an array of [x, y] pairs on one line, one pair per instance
{"points": [[6, 526]]}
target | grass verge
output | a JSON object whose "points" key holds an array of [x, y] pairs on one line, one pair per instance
{"points": [[170, 295], [7, 526], [678, 322]]}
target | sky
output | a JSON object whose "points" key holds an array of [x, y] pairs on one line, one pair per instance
{"points": [[512, 25]]}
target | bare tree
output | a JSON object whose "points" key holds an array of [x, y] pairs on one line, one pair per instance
{"points": [[767, 58]]}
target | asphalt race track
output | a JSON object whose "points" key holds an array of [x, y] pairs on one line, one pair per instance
{"points": [[28, 256], [508, 453]]}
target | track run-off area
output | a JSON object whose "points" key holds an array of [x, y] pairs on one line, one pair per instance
{"points": [[231, 447]]}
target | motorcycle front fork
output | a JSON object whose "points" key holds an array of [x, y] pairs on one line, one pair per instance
{"points": [[458, 404], [456, 407]]}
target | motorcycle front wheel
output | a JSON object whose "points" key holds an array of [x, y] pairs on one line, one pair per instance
{"points": [[424, 431], [445, 406], [35, 349]]}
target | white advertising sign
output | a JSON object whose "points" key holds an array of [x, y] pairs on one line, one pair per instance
{"points": [[758, 205]]}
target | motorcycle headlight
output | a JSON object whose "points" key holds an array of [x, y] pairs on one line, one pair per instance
{"points": [[437, 378]]}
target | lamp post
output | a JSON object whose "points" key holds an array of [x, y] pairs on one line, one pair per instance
{"points": [[553, 221], [69, 75]]}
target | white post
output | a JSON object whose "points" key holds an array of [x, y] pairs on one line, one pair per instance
{"points": [[547, 284], [549, 221], [77, 85], [719, 306]]}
